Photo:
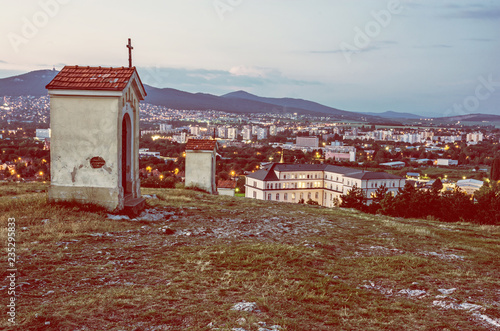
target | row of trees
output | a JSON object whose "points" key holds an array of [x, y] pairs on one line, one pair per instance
{"points": [[483, 208]]}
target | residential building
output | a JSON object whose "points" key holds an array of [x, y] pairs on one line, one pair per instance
{"points": [[307, 142], [165, 127], [41, 134], [247, 134], [181, 138], [394, 164], [322, 183], [195, 131], [446, 162], [232, 133], [340, 153], [262, 133], [474, 137], [145, 152], [221, 132]]}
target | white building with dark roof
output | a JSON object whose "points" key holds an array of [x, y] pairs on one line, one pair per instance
{"points": [[322, 183], [470, 186]]}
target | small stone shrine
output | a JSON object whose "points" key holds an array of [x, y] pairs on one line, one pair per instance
{"points": [[94, 117], [201, 156]]}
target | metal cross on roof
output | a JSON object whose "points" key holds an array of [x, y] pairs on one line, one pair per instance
{"points": [[130, 48]]}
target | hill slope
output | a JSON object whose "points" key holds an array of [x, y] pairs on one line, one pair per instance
{"points": [[472, 118], [291, 103], [33, 83], [395, 115], [194, 261]]}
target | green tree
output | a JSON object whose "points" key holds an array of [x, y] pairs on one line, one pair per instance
{"points": [[456, 206], [378, 197], [355, 198], [488, 204], [495, 170], [437, 185]]}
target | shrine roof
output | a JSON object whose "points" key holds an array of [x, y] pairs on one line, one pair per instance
{"points": [[94, 78], [201, 145]]}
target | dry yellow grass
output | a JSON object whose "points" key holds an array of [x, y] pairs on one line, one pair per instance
{"points": [[195, 256]]}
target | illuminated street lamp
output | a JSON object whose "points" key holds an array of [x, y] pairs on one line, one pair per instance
{"points": [[161, 177]]}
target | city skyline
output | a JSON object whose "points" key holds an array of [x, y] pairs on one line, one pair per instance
{"points": [[405, 56]]}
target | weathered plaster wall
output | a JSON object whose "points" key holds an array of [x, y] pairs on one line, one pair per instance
{"points": [[200, 170], [82, 128]]}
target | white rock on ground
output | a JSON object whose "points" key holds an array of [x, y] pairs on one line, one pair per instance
{"points": [[118, 217], [451, 305], [245, 306], [447, 291], [412, 293], [487, 319]]}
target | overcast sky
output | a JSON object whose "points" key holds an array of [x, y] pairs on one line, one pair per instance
{"points": [[427, 57]]}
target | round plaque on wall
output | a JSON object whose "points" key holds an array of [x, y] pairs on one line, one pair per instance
{"points": [[97, 162]]}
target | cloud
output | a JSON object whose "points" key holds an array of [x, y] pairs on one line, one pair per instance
{"points": [[374, 46], [1, 61], [479, 12], [254, 71], [340, 51], [479, 39], [434, 46]]}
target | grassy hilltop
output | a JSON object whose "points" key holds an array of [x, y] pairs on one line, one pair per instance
{"points": [[199, 262]]}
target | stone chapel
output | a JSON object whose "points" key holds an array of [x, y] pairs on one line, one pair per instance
{"points": [[94, 117]]}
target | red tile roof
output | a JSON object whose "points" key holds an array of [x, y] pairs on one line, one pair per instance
{"points": [[226, 184], [93, 78], [201, 145]]}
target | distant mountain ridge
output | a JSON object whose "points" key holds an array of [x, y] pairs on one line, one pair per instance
{"points": [[34, 82], [394, 115]]}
